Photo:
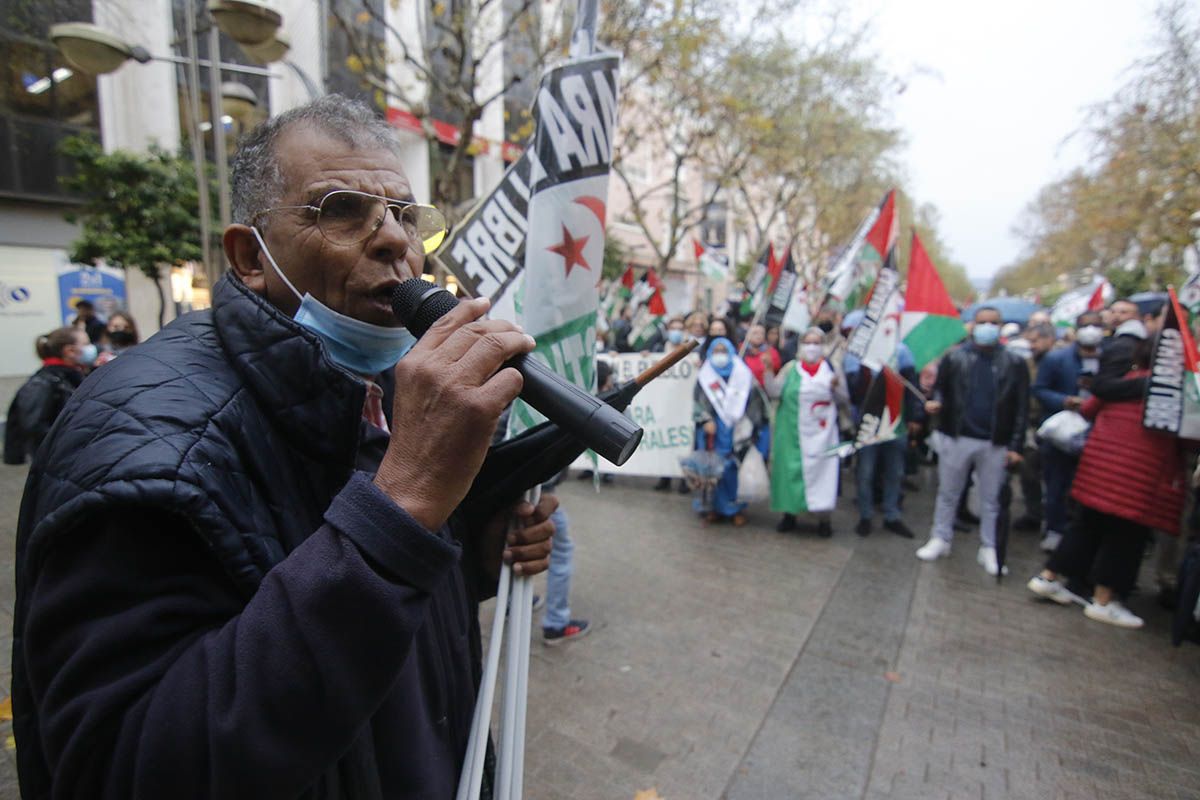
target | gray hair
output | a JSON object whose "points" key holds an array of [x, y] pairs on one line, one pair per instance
{"points": [[256, 180], [813, 330]]}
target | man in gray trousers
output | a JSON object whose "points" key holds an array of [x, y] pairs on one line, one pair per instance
{"points": [[982, 402]]}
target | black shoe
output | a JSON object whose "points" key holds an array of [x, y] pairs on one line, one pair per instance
{"points": [[1168, 598], [786, 523], [575, 629], [898, 527], [683, 487], [663, 485], [863, 528], [585, 475], [824, 529], [1027, 523]]}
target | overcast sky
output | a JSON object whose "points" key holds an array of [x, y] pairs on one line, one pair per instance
{"points": [[993, 90]]}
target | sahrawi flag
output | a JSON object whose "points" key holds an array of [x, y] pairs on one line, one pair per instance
{"points": [[647, 320], [1076, 301], [713, 265], [1173, 391], [541, 231], [760, 282], [874, 340], [851, 275], [930, 324], [882, 410], [783, 286]]}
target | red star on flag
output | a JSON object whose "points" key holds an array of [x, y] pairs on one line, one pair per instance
{"points": [[571, 249]]}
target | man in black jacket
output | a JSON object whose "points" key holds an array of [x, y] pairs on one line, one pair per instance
{"points": [[38, 402], [982, 397], [242, 568], [1131, 327]]}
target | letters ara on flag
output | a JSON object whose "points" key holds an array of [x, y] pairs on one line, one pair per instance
{"points": [[535, 244], [1173, 390], [930, 324]]}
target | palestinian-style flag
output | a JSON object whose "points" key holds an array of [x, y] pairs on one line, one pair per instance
{"points": [[930, 324], [882, 410], [712, 265], [855, 270], [1173, 389]]}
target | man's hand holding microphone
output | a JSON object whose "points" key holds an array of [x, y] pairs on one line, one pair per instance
{"points": [[452, 388]]}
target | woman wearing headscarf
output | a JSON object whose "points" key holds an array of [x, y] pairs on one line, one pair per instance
{"points": [[804, 474], [731, 416]]}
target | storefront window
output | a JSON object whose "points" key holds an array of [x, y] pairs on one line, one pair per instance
{"points": [[43, 99]]}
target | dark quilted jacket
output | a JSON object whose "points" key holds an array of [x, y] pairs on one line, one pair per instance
{"points": [[234, 420]]}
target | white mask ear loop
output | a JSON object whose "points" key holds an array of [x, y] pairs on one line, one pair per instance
{"points": [[271, 258]]}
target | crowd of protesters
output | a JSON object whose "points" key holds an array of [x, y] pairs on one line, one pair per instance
{"points": [[67, 354], [1096, 505]]}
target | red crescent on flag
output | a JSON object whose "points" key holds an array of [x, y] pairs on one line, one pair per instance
{"points": [[593, 204]]}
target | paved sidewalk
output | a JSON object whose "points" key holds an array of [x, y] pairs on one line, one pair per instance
{"points": [[743, 663]]}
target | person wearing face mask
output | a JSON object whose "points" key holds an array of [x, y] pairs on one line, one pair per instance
{"points": [[1062, 384], [982, 399], [804, 476], [120, 335], [731, 417], [65, 353], [243, 569], [760, 357], [668, 339]]}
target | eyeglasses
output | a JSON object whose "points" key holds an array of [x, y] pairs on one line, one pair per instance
{"points": [[348, 217]]}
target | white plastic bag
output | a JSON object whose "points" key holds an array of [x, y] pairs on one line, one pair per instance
{"points": [[753, 482], [1066, 431]]}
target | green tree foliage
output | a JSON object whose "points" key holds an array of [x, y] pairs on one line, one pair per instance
{"points": [[139, 211], [1128, 213]]}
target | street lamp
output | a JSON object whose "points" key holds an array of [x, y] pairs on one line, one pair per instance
{"points": [[92, 49]]}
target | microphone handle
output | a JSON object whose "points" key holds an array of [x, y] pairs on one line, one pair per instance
{"points": [[602, 428]]}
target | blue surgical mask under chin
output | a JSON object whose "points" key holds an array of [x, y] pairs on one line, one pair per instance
{"points": [[986, 334], [360, 347]]}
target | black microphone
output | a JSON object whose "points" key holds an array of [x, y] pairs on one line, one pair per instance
{"points": [[418, 304]]}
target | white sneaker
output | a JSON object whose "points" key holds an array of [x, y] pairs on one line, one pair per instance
{"points": [[1050, 590], [987, 559], [934, 549], [1114, 614], [1050, 541]]}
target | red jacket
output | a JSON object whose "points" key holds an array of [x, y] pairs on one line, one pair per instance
{"points": [[755, 362], [1129, 471]]}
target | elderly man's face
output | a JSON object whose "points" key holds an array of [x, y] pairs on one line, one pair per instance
{"points": [[356, 280]]}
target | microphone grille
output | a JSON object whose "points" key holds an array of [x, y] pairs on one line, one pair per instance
{"points": [[419, 304]]}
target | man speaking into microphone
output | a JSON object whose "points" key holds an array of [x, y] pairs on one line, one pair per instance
{"points": [[240, 567]]}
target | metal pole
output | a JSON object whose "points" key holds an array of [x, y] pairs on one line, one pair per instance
{"points": [[214, 96], [197, 137]]}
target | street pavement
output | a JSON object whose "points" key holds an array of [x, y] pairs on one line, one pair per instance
{"points": [[744, 663]]}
